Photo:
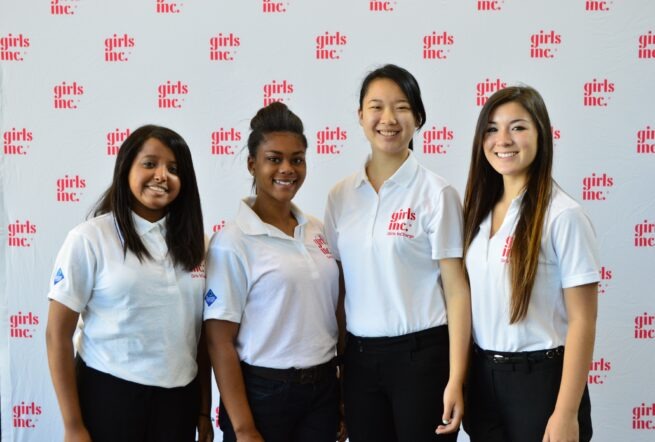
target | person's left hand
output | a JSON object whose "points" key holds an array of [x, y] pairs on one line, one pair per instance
{"points": [[205, 429], [562, 429], [453, 409]]}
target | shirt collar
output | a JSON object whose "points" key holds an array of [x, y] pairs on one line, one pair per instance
{"points": [[403, 176], [143, 226], [250, 223]]}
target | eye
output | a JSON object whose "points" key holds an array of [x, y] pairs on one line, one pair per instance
{"points": [[519, 128], [375, 107], [403, 107], [298, 160], [274, 160], [491, 129], [173, 170], [148, 164]]}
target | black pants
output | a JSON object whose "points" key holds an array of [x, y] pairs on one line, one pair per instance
{"points": [[117, 410], [393, 387], [512, 402]]}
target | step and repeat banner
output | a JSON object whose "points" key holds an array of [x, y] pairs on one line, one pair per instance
{"points": [[77, 76]]}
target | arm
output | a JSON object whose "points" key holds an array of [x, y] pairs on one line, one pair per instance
{"points": [[581, 308], [342, 433], [205, 430], [227, 368], [458, 307], [59, 342]]}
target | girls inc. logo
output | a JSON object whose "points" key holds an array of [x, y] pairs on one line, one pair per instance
{"points": [[322, 245], [544, 44], [597, 93], [381, 6], [116, 48], [605, 277], [24, 415], [644, 328], [556, 133], [168, 7], [328, 140], [225, 141], [598, 371], [63, 7], [22, 325], [507, 250], [330, 46], [273, 7], [12, 47], [20, 234], [218, 227], [114, 140], [63, 93], [401, 223], [645, 234], [646, 47], [15, 141], [198, 272], [490, 5], [277, 91], [436, 46], [484, 89], [222, 47], [170, 95], [593, 187], [435, 140], [596, 5], [646, 140], [643, 417], [64, 188]]}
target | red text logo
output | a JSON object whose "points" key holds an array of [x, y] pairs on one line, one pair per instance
{"points": [[114, 140], [225, 141], [598, 93], [592, 187], [65, 186], [644, 328], [322, 245], [218, 227], [605, 275], [272, 7], [328, 46], [381, 6], [166, 7], [487, 87], [277, 91], [63, 94], [646, 140], [436, 46], [645, 234], [16, 141], [222, 47], [596, 5], [401, 223], [490, 5], [507, 250], [63, 7], [12, 47], [643, 417], [435, 140], [556, 133], [598, 371], [20, 234], [22, 325], [116, 48], [24, 415], [647, 45], [198, 272], [169, 95], [544, 44], [328, 140]]}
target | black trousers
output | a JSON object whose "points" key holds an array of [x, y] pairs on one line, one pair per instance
{"points": [[114, 409], [393, 387], [512, 402]]}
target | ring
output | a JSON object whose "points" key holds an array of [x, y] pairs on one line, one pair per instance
{"points": [[445, 421]]}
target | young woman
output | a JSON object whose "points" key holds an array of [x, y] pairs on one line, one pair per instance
{"points": [[271, 300], [126, 273], [533, 268], [396, 228]]}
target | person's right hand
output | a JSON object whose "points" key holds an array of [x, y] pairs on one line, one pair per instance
{"points": [[77, 434]]}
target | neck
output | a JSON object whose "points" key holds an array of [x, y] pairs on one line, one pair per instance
{"points": [[277, 214], [383, 165], [513, 186]]}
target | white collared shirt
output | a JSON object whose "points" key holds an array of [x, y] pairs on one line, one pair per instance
{"points": [[141, 320], [281, 290], [568, 258], [389, 244]]}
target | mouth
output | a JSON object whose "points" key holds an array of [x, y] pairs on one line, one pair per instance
{"points": [[506, 154], [285, 183], [157, 188], [388, 133]]}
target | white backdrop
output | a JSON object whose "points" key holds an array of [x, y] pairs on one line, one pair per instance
{"points": [[77, 75]]}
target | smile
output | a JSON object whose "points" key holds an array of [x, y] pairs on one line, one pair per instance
{"points": [[506, 154], [284, 182], [157, 189], [388, 133]]}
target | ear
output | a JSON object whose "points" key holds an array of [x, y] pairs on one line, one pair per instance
{"points": [[359, 115], [251, 165]]}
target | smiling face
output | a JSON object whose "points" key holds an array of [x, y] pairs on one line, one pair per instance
{"points": [[510, 141], [387, 118], [278, 167], [153, 180]]}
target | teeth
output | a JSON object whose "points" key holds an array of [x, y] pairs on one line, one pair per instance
{"points": [[505, 154], [158, 189], [388, 133], [284, 183]]}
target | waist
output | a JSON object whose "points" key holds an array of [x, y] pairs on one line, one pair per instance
{"points": [[411, 341], [523, 357], [310, 375]]}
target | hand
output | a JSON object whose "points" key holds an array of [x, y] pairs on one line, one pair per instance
{"points": [[562, 428], [205, 429], [453, 409], [249, 436], [342, 431], [77, 434]]}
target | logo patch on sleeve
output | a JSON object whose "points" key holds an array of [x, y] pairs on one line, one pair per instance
{"points": [[59, 276], [210, 297]]}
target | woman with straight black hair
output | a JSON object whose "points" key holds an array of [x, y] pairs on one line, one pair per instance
{"points": [[396, 229], [532, 262], [127, 272]]}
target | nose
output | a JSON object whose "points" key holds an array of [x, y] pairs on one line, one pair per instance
{"points": [[286, 167], [503, 137], [388, 115], [161, 173]]}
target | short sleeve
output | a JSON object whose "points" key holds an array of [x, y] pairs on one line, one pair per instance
{"points": [[227, 282], [574, 241], [445, 227], [329, 227], [73, 276]]}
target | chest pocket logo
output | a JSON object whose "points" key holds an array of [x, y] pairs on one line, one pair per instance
{"points": [[401, 223]]}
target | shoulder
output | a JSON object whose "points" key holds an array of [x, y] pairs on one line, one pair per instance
{"points": [[429, 180], [563, 205], [230, 237], [345, 185], [94, 229]]}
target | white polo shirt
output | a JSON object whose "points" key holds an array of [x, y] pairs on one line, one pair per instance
{"points": [[568, 258], [281, 290], [389, 243], [141, 321]]}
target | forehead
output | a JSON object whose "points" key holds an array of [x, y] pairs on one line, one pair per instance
{"points": [[510, 111], [283, 142], [154, 147], [384, 89]]}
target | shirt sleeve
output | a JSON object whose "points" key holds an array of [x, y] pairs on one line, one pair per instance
{"points": [[73, 276], [445, 227], [227, 282], [329, 227], [574, 241]]}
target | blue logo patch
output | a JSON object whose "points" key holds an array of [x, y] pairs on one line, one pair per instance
{"points": [[210, 297], [59, 276]]}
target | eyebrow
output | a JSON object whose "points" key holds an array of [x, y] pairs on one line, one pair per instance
{"points": [[395, 102], [277, 152], [511, 122]]}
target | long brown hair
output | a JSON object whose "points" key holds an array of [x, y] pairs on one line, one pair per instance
{"points": [[484, 189]]}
